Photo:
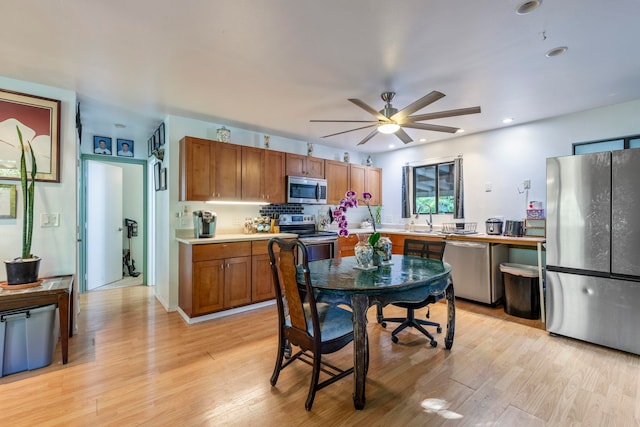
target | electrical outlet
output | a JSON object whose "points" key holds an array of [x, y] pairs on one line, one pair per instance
{"points": [[237, 221], [527, 184], [487, 186]]}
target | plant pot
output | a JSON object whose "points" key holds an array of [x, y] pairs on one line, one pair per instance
{"points": [[21, 271]]}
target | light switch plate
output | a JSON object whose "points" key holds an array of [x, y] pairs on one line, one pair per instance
{"points": [[49, 220]]}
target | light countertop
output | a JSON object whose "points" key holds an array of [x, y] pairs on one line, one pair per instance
{"points": [[234, 237], [436, 234]]}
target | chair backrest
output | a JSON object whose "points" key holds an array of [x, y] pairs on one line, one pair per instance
{"points": [[424, 248], [294, 295]]}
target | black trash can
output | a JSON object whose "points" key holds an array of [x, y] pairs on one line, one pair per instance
{"points": [[521, 290]]}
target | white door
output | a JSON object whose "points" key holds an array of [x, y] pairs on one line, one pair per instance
{"points": [[104, 223]]}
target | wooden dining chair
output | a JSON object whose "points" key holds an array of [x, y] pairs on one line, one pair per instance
{"points": [[316, 328], [424, 249]]}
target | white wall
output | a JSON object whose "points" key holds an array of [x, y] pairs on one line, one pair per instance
{"points": [[506, 158], [55, 245]]}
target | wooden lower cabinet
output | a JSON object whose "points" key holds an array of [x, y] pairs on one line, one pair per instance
{"points": [[261, 275], [220, 276], [214, 277], [346, 245]]}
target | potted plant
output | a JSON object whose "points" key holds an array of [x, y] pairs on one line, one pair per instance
{"points": [[25, 269]]}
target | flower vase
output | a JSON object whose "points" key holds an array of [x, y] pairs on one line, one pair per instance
{"points": [[363, 251], [382, 251]]}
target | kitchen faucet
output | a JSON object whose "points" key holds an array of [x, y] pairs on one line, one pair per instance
{"points": [[430, 220]]}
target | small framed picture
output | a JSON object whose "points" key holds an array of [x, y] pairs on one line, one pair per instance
{"points": [[156, 139], [149, 146], [161, 134], [125, 147], [156, 174], [102, 145], [163, 179]]}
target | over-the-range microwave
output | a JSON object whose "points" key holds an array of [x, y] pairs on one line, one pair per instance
{"points": [[311, 191]]}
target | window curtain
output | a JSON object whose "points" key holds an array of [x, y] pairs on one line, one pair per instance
{"points": [[458, 190], [406, 192]]}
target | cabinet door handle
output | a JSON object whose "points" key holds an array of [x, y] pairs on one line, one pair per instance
{"points": [[227, 265], [221, 266]]}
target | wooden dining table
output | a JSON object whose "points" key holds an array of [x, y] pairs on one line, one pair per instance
{"points": [[405, 279]]}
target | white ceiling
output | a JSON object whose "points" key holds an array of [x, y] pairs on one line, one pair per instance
{"points": [[271, 66]]}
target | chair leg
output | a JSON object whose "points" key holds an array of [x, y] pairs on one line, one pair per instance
{"points": [[282, 343], [379, 315], [314, 381]]}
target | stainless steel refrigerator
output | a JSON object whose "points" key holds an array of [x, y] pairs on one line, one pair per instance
{"points": [[593, 248]]}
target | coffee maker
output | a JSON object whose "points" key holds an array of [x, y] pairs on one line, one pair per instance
{"points": [[204, 224]]}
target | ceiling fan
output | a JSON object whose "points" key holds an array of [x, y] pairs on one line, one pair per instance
{"points": [[390, 120]]}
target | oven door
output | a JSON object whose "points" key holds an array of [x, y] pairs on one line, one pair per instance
{"points": [[320, 248]]}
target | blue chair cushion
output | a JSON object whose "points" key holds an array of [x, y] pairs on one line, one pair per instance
{"points": [[334, 321]]}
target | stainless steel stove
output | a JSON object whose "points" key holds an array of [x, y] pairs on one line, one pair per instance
{"points": [[320, 244]]}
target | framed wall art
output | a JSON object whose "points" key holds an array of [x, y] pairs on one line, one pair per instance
{"points": [[156, 139], [161, 134], [7, 201], [102, 145], [39, 121], [125, 147], [156, 175], [163, 179]]}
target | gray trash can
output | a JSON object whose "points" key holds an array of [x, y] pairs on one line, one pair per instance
{"points": [[521, 290], [27, 338]]}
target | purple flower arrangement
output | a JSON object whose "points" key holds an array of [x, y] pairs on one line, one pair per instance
{"points": [[350, 200]]}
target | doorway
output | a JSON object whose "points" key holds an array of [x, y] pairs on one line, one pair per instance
{"points": [[114, 193]]}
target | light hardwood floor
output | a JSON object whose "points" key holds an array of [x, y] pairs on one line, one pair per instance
{"points": [[131, 363]]}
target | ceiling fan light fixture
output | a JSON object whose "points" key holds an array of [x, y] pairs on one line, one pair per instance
{"points": [[528, 7], [556, 51], [388, 128]]}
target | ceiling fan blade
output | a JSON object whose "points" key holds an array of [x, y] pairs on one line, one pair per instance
{"points": [[347, 131], [368, 109], [368, 137], [343, 121], [417, 105], [400, 133], [443, 114], [426, 126]]}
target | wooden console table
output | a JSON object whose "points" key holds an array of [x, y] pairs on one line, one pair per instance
{"points": [[53, 290]]}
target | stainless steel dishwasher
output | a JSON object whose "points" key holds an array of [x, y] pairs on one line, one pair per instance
{"points": [[475, 269]]}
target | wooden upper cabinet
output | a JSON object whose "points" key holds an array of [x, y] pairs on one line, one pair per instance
{"points": [[274, 177], [209, 169], [338, 181], [263, 175], [252, 172], [196, 168], [227, 171], [306, 166], [373, 184], [357, 177], [366, 179]]}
